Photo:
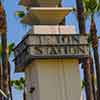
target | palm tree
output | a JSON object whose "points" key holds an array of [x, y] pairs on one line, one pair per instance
{"points": [[5, 53], [86, 62], [9, 51], [1, 80], [4, 46], [92, 7]]}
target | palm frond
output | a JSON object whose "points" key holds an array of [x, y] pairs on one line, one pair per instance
{"points": [[84, 84], [20, 14], [91, 5], [10, 48], [86, 5], [98, 7], [18, 84]]}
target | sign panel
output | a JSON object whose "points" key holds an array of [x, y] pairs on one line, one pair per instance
{"points": [[53, 45]]}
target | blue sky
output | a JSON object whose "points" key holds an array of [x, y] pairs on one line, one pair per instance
{"points": [[16, 30]]}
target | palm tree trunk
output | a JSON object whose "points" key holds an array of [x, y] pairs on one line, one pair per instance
{"points": [[4, 46], [4, 62], [9, 82], [86, 66], [93, 82], [80, 16], [1, 80], [85, 79], [88, 79], [96, 55], [95, 51]]}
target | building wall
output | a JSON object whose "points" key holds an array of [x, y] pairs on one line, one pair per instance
{"points": [[54, 79]]}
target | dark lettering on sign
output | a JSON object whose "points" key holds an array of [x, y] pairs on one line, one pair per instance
{"points": [[55, 50], [56, 45], [52, 40], [65, 50], [46, 51], [63, 39], [38, 50]]}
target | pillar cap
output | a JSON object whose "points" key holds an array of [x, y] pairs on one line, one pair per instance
{"points": [[45, 15]]}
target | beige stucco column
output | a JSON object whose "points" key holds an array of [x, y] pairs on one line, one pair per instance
{"points": [[53, 79]]}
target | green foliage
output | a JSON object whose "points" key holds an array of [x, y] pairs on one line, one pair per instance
{"points": [[59, 3], [91, 7], [9, 49], [20, 14], [84, 84], [18, 84]]}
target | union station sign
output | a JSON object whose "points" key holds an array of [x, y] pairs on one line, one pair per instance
{"points": [[53, 45], [38, 46]]}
